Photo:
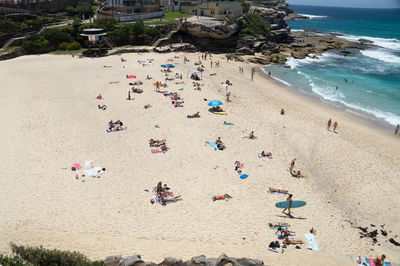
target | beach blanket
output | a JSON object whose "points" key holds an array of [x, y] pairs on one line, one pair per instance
{"points": [[94, 171], [77, 166], [228, 124], [312, 244], [370, 262], [277, 227], [157, 151], [212, 144]]}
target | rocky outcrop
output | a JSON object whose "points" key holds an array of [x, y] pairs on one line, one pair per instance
{"points": [[296, 16], [279, 5], [209, 28], [222, 260]]}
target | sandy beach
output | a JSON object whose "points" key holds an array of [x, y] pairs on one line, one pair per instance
{"points": [[51, 121]]}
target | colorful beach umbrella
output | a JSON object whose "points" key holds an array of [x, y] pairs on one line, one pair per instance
{"points": [[131, 76], [215, 103], [137, 83]]}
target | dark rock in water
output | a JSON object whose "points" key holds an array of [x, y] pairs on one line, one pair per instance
{"points": [[394, 242], [172, 262], [365, 41], [336, 34], [132, 260], [113, 260]]}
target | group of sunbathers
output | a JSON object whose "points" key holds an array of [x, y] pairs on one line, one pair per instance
{"points": [[161, 144], [284, 233], [162, 195], [115, 126], [197, 86]]}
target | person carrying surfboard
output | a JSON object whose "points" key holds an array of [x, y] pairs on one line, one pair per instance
{"points": [[290, 204]]}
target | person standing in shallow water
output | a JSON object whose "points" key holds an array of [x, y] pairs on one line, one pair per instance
{"points": [[396, 129], [328, 126]]}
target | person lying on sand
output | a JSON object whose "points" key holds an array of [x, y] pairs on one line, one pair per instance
{"points": [[282, 112], [297, 173], [164, 148], [283, 233], [218, 109], [266, 154], [113, 82], [252, 136], [123, 60], [278, 190], [292, 241], [178, 104], [179, 82], [380, 260], [107, 66], [102, 107], [99, 97], [197, 114], [221, 197], [273, 225], [148, 77], [147, 106]]}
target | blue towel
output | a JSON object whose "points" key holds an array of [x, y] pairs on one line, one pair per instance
{"points": [[212, 144], [228, 124]]}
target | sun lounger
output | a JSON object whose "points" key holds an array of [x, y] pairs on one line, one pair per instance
{"points": [[312, 244]]}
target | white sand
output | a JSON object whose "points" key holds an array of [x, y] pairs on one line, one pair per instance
{"points": [[50, 120]]}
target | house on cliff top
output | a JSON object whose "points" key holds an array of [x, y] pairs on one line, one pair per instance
{"points": [[218, 9], [130, 10]]}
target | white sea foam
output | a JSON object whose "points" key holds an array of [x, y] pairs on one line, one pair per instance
{"points": [[313, 16], [282, 81], [393, 43], [293, 62], [382, 55], [326, 94]]}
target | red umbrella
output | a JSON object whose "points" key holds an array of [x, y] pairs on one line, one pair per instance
{"points": [[131, 76]]}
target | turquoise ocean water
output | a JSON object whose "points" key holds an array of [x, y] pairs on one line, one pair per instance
{"points": [[373, 75]]}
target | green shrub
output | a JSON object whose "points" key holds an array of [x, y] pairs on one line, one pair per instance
{"points": [[56, 36], [70, 46], [35, 44], [42, 256], [245, 6], [71, 11], [10, 261], [253, 25], [85, 9]]}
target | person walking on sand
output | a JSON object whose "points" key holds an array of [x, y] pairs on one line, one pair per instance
{"points": [[328, 126], [228, 94], [396, 129], [253, 71], [129, 95], [292, 165], [335, 126], [290, 204]]}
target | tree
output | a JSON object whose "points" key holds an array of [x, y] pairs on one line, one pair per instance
{"points": [[84, 9]]}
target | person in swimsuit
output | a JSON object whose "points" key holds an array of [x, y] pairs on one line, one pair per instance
{"points": [[290, 204], [328, 126], [221, 197], [380, 260], [278, 190], [292, 241]]}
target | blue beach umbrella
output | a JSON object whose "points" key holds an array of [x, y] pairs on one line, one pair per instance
{"points": [[137, 83], [215, 103]]}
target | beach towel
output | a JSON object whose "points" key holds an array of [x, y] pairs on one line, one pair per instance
{"points": [[181, 89], [94, 171], [77, 166], [370, 262], [89, 164], [274, 250], [228, 124], [312, 244], [212, 144], [157, 151], [277, 227], [277, 193]]}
